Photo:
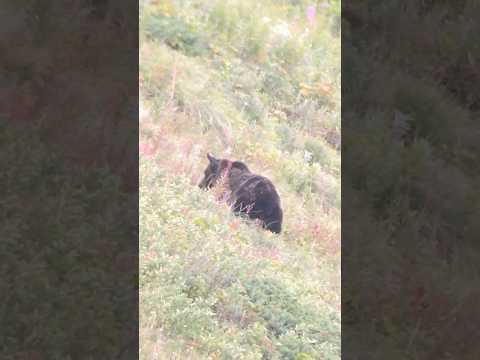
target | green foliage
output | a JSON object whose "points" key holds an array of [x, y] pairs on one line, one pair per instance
{"points": [[287, 137], [176, 33], [322, 154]]}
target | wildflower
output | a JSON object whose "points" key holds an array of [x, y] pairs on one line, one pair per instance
{"points": [[311, 14], [146, 149]]}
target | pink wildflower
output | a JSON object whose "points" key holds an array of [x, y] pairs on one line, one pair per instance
{"points": [[311, 14], [146, 149]]}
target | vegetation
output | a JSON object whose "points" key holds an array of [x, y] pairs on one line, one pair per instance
{"points": [[258, 82], [410, 178], [68, 186]]}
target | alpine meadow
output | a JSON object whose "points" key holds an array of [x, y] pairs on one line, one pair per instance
{"points": [[256, 82]]}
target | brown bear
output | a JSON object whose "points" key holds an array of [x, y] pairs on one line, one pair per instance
{"points": [[248, 193]]}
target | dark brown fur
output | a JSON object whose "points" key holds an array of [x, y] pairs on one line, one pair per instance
{"points": [[248, 193]]}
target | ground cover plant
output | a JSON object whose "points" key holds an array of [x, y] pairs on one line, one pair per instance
{"points": [[258, 82]]}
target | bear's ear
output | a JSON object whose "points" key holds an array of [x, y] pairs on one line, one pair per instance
{"points": [[211, 158]]}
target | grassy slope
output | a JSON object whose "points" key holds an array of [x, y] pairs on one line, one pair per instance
{"points": [[219, 76]]}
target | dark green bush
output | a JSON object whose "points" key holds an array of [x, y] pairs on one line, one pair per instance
{"points": [[177, 34]]}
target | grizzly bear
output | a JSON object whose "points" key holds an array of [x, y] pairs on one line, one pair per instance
{"points": [[248, 194]]}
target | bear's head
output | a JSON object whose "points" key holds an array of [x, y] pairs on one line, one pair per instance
{"points": [[211, 173]]}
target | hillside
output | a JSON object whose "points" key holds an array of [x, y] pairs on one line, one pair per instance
{"points": [[257, 82]]}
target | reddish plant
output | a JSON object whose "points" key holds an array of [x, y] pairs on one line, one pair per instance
{"points": [[146, 149]]}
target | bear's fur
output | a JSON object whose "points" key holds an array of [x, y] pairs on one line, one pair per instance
{"points": [[248, 193]]}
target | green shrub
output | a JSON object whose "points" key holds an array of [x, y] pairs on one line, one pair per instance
{"points": [[174, 32], [288, 52], [287, 137], [223, 18], [323, 154]]}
